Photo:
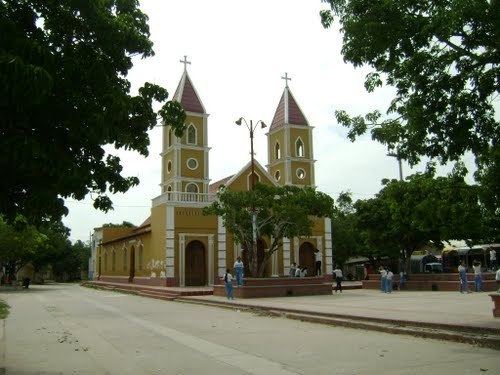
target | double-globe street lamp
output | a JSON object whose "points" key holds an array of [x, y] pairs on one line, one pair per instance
{"points": [[251, 128]]}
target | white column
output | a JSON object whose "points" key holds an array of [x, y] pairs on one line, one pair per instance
{"points": [[210, 263], [286, 256], [296, 248], [169, 245], [182, 261], [328, 245], [221, 247]]}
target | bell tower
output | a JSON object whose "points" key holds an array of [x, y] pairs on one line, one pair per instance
{"points": [[290, 143], [185, 159]]}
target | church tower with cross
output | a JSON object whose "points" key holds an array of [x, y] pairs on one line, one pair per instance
{"points": [[290, 143], [185, 159]]}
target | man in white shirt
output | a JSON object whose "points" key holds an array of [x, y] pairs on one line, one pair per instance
{"points": [[338, 278], [493, 259], [383, 278], [238, 270], [297, 271], [319, 257], [388, 287], [303, 272], [478, 277]]}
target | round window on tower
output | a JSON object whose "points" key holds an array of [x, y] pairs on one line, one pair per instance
{"points": [[169, 166], [301, 173], [277, 175], [192, 163]]}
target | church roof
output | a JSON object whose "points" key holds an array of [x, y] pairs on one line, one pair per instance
{"points": [[288, 112], [187, 96], [213, 188]]}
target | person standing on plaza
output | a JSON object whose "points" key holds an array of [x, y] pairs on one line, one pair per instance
{"points": [[388, 281], [478, 277], [497, 278], [319, 257], [462, 274], [493, 259], [238, 270], [293, 269], [337, 272], [383, 278], [228, 282]]}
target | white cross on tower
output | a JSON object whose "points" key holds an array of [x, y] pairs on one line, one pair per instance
{"points": [[286, 78], [185, 62]]}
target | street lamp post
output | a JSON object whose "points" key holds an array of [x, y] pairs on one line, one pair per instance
{"points": [[251, 128], [400, 163]]}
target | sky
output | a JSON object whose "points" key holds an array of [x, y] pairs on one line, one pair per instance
{"points": [[239, 50]]}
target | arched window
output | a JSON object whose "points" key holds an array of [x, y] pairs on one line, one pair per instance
{"points": [[277, 151], [169, 137], [125, 260], [169, 166], [301, 174], [299, 148], [140, 256], [277, 175], [191, 134], [169, 188], [191, 188]]}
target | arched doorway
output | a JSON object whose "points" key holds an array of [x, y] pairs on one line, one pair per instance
{"points": [[131, 274], [195, 264], [306, 258], [261, 246]]}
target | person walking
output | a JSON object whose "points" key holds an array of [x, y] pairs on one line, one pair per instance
{"points": [[383, 278], [228, 282], [478, 277], [238, 271], [388, 281], [319, 257], [493, 259], [462, 274], [338, 278], [402, 279]]}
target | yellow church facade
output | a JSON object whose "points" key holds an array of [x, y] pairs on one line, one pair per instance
{"points": [[178, 245]]}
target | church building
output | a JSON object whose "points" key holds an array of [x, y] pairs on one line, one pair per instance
{"points": [[177, 245]]}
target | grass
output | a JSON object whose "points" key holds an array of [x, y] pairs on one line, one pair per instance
{"points": [[4, 309]]}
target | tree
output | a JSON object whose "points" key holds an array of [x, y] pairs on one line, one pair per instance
{"points": [[19, 244], [443, 59], [406, 215], [285, 211], [346, 238], [64, 95]]}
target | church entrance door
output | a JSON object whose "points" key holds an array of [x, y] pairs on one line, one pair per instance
{"points": [[306, 258], [195, 272], [131, 274]]}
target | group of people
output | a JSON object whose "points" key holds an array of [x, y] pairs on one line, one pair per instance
{"points": [[386, 279], [239, 269], [297, 271], [478, 276]]}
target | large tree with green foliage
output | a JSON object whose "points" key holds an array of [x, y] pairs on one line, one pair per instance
{"points": [[346, 238], [285, 211], [406, 215], [443, 59], [64, 94]]}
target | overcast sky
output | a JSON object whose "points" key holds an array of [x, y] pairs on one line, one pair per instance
{"points": [[239, 50]]}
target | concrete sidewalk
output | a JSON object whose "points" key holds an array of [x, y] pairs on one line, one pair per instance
{"points": [[447, 308]]}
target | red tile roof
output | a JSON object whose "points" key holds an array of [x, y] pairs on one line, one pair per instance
{"points": [[295, 115], [213, 188], [187, 97]]}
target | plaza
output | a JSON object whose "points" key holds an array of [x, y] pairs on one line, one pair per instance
{"points": [[66, 328]]}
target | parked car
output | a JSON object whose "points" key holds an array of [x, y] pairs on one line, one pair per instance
{"points": [[434, 267]]}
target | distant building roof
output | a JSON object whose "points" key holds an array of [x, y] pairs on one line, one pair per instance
{"points": [[213, 188]]}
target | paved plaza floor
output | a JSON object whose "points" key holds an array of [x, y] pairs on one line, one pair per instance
{"points": [[68, 329], [474, 309]]}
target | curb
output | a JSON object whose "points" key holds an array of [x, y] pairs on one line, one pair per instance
{"points": [[469, 335]]}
